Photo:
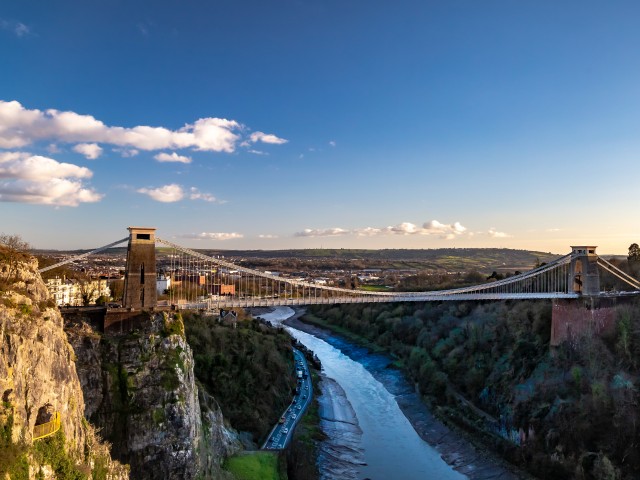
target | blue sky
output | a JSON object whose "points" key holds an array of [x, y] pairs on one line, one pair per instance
{"points": [[297, 124]]}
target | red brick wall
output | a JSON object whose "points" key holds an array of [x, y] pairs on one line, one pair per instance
{"points": [[572, 320]]}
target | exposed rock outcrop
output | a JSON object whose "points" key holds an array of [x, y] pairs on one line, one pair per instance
{"points": [[38, 373], [142, 393]]}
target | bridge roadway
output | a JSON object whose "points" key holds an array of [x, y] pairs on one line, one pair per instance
{"points": [[282, 432], [249, 302]]}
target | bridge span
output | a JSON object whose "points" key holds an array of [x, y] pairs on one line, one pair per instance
{"points": [[197, 280]]}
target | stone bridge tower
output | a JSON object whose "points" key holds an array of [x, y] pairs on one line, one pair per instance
{"points": [[584, 277], [140, 272]]}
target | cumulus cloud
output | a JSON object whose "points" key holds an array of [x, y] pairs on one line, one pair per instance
{"points": [[196, 194], [405, 228], [445, 231], [89, 150], [431, 228], [367, 231], [174, 193], [213, 236], [266, 138], [166, 194], [322, 232], [20, 126], [25, 166], [27, 178], [495, 234], [173, 157]]}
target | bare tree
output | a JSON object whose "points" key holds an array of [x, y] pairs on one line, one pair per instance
{"points": [[633, 259], [12, 249]]}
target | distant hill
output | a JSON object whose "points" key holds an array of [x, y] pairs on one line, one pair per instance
{"points": [[449, 259]]}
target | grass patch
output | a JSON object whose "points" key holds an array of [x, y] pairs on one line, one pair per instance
{"points": [[254, 466], [374, 288]]}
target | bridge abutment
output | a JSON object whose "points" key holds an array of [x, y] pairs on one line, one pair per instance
{"points": [[572, 320]]}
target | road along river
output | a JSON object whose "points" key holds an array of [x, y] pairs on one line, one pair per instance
{"points": [[369, 436]]}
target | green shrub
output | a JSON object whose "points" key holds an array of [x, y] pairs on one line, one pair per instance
{"points": [[51, 451], [173, 326]]}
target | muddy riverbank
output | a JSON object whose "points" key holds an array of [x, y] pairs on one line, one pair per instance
{"points": [[454, 448]]}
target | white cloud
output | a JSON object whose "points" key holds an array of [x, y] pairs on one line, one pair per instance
{"points": [[20, 126], [267, 236], [434, 227], [258, 152], [173, 157], [494, 234], [55, 191], [197, 195], [332, 143], [21, 29], [25, 166], [174, 193], [89, 150], [405, 228], [213, 236], [266, 138], [27, 178], [368, 231], [322, 232], [17, 28], [167, 193]]}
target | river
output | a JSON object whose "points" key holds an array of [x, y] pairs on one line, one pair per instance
{"points": [[369, 436]]}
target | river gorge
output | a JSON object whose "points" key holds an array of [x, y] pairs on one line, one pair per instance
{"points": [[369, 435]]}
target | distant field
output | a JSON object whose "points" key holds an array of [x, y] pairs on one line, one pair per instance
{"points": [[373, 288]]}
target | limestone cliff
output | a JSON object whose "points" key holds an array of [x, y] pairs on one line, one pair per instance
{"points": [[37, 378], [141, 391]]}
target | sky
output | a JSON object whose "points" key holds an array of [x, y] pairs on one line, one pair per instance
{"points": [[250, 124]]}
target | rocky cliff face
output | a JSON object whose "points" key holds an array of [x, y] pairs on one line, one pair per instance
{"points": [[141, 391], [38, 377]]}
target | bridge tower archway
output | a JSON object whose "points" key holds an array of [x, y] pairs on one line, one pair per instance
{"points": [[584, 276], [140, 272]]}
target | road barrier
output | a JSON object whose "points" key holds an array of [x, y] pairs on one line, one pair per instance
{"points": [[48, 428]]}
